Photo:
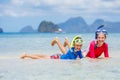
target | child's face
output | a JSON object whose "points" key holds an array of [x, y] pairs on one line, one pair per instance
{"points": [[78, 47], [101, 38]]}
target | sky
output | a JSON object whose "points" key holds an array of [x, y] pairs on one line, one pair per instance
{"points": [[16, 14]]}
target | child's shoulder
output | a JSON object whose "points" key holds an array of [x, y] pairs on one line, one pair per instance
{"points": [[106, 44], [93, 42], [72, 49]]}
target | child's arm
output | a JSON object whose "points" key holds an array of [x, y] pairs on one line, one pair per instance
{"points": [[106, 50], [91, 49], [83, 53]]}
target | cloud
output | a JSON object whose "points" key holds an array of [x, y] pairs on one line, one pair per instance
{"points": [[23, 12], [21, 8]]}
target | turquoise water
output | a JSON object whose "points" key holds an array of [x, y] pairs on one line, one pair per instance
{"points": [[12, 45]]}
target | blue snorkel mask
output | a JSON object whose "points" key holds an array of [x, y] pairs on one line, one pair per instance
{"points": [[99, 30]]}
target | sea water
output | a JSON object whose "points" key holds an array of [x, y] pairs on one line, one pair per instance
{"points": [[13, 45]]}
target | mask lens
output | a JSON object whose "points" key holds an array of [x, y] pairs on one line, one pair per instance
{"points": [[101, 31], [78, 41], [104, 31]]}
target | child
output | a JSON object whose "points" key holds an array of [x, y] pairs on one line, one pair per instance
{"points": [[73, 53], [98, 46]]}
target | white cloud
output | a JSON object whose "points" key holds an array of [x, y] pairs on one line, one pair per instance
{"points": [[17, 2], [18, 8], [57, 10]]}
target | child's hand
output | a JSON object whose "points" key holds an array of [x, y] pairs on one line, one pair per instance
{"points": [[84, 53]]}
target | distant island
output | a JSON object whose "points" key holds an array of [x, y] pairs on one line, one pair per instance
{"points": [[1, 30], [78, 25], [74, 25], [27, 29], [46, 26]]}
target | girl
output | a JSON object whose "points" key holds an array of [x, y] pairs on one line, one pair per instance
{"points": [[98, 46]]}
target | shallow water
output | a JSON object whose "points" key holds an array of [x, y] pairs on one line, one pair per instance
{"points": [[85, 69], [13, 68]]}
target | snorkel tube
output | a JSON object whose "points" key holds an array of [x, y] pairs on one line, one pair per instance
{"points": [[100, 27], [97, 30]]}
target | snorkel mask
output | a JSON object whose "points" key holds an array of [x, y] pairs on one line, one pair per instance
{"points": [[78, 41], [99, 30]]}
